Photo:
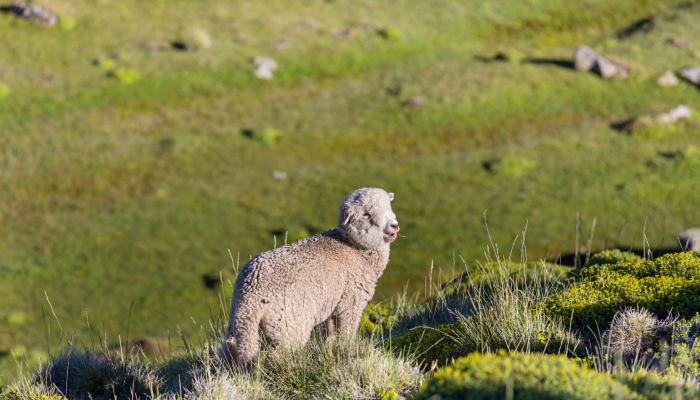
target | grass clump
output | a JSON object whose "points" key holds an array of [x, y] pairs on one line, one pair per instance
{"points": [[650, 385], [193, 39], [521, 376], [82, 375], [668, 283], [340, 369], [497, 306]]}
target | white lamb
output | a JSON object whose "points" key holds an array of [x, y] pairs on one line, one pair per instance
{"points": [[328, 278]]}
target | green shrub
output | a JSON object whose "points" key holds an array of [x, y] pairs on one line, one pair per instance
{"points": [[521, 376], [651, 385], [612, 256], [668, 283], [685, 355], [79, 374], [376, 317]]}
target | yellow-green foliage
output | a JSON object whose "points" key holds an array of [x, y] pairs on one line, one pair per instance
{"points": [[428, 344], [376, 318], [654, 386], [685, 358], [521, 376], [612, 256], [670, 282]]}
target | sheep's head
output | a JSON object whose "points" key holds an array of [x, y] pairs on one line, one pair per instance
{"points": [[366, 218]]}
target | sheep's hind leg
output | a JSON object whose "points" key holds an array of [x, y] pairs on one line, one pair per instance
{"points": [[330, 328]]}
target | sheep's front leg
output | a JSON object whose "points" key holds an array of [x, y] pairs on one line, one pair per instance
{"points": [[349, 319]]}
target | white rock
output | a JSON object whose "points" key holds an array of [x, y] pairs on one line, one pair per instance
{"points": [[690, 239], [279, 175], [584, 58], [673, 115], [667, 79], [264, 67]]}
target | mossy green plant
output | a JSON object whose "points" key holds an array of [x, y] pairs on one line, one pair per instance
{"points": [[66, 23], [612, 256], [685, 355], [515, 166], [4, 90], [376, 317], [521, 376], [390, 33], [126, 76], [267, 135], [668, 283]]}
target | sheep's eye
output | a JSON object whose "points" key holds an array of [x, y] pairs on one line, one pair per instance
{"points": [[367, 215]]}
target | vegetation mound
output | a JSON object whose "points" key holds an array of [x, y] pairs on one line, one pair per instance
{"points": [[521, 376], [668, 284]]}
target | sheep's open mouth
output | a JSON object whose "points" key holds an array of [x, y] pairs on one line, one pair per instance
{"points": [[390, 237]]}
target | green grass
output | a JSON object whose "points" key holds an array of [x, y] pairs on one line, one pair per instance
{"points": [[113, 193]]}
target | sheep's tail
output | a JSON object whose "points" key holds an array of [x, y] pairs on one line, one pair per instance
{"points": [[242, 343]]}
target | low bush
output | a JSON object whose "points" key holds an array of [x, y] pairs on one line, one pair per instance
{"points": [[670, 283], [650, 385], [521, 376], [82, 375], [685, 352]]}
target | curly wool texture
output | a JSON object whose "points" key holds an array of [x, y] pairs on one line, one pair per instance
{"points": [[328, 278]]}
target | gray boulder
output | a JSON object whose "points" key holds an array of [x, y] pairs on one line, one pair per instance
{"points": [[691, 74], [31, 12], [586, 59], [690, 239]]}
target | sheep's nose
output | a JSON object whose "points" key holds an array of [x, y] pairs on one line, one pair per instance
{"points": [[395, 225]]}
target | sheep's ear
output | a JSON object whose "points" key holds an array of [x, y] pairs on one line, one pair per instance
{"points": [[347, 215], [391, 196]]}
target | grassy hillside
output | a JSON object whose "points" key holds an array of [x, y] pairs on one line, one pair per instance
{"points": [[120, 201]]}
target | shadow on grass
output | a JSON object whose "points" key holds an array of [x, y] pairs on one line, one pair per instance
{"points": [[557, 62], [574, 259]]}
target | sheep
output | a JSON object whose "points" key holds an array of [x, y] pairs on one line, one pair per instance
{"points": [[329, 278]]}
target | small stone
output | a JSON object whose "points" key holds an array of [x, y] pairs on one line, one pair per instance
{"points": [[279, 175], [281, 44], [690, 239], [264, 67], [679, 42], [415, 101], [667, 79], [608, 69], [584, 58], [691, 74], [344, 33]]}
